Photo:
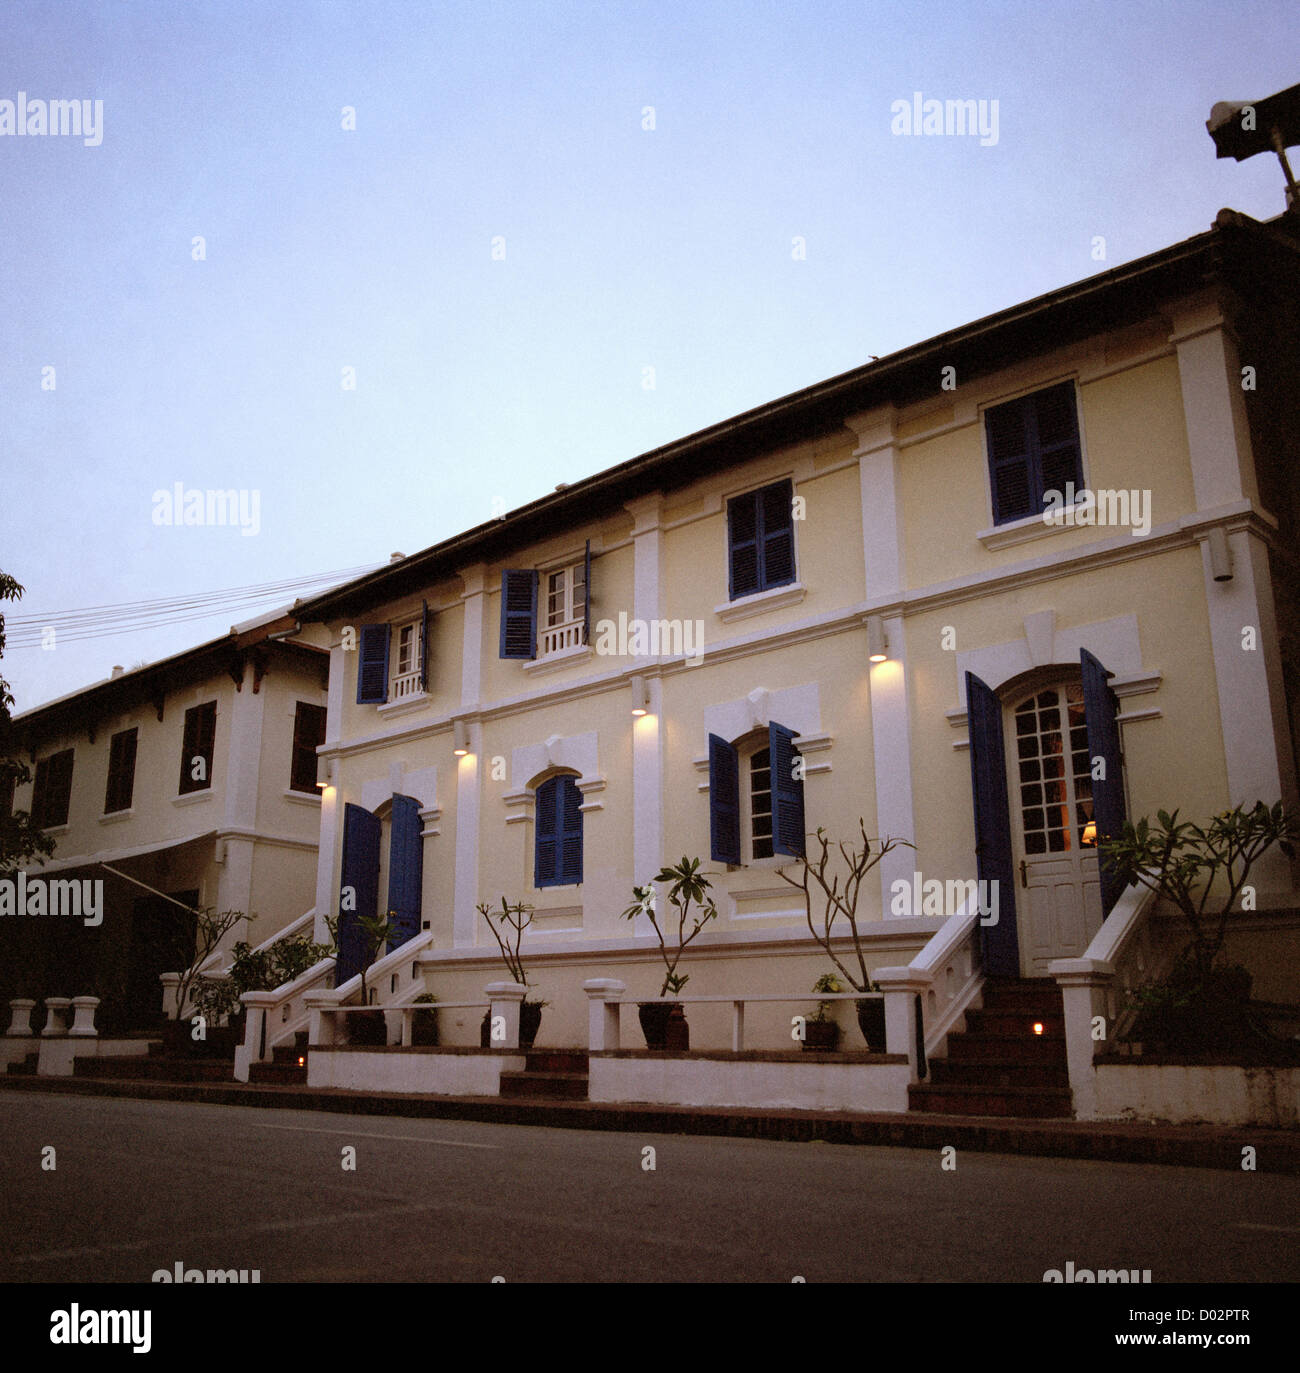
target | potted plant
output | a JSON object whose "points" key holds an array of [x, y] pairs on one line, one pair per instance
{"points": [[424, 1024], [664, 1023], [838, 895], [1202, 1005], [371, 1027], [508, 926], [210, 928], [820, 1032]]}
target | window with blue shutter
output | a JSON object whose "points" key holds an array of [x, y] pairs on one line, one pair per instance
{"points": [[372, 665], [358, 887], [1033, 447], [760, 539], [724, 801], [787, 792], [518, 613], [558, 860], [405, 869], [424, 646]]}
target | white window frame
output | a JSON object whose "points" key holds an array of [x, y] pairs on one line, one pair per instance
{"points": [[405, 684], [565, 635]]}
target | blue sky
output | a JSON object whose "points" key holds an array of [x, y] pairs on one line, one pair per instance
{"points": [[484, 381]]}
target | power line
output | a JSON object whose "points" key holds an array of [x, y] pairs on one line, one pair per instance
{"points": [[131, 617]]}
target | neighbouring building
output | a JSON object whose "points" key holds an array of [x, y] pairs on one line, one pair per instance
{"points": [[195, 776]]}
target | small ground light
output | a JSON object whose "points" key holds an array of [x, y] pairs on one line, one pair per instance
{"points": [[1038, 1027], [302, 1062]]}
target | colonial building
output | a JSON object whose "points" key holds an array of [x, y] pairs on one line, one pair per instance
{"points": [[194, 776], [988, 594]]}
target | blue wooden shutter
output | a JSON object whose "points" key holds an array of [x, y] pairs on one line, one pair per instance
{"points": [[570, 832], [724, 801], [1100, 708], [1011, 469], [777, 515], [742, 544], [424, 646], [547, 824], [993, 858], [1056, 440], [518, 613], [361, 832], [586, 594], [405, 868], [787, 792], [372, 665]]}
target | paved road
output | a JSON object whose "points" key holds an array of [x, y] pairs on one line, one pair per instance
{"points": [[141, 1185]]}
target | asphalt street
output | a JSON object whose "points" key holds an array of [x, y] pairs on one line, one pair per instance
{"points": [[141, 1186]]}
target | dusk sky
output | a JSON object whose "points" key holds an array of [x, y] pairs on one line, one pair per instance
{"points": [[538, 203]]}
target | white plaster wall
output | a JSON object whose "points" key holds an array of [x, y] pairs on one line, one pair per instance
{"points": [[1219, 1095], [807, 1086], [441, 1074], [57, 1054]]}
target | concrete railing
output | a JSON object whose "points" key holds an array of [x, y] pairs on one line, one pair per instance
{"points": [[1121, 953], [606, 995], [329, 1014], [272, 1018]]}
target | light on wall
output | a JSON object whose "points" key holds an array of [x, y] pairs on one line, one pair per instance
{"points": [[459, 738], [640, 696], [877, 644], [1089, 834], [1220, 555], [324, 772]]}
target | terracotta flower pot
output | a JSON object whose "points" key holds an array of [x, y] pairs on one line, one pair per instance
{"points": [[664, 1025], [822, 1036], [368, 1028], [530, 1020], [424, 1027], [871, 1021]]}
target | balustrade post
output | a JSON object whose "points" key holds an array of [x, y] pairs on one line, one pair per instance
{"points": [[20, 1017], [901, 987], [505, 999], [603, 1011], [83, 1023], [1084, 983]]}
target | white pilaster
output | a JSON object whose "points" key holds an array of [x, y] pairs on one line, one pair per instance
{"points": [[891, 741], [471, 662], [464, 912], [647, 734], [1214, 407], [882, 518]]}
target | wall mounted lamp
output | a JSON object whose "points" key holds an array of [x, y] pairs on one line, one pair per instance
{"points": [[877, 644], [640, 696], [459, 738], [1220, 555]]}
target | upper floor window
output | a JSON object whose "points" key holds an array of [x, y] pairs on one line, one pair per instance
{"points": [[1033, 447], [6, 794], [766, 819], [558, 859], [393, 665], [121, 771], [308, 735], [52, 790], [760, 539], [561, 595], [198, 747]]}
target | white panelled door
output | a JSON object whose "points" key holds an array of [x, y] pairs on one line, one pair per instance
{"points": [[1050, 788]]}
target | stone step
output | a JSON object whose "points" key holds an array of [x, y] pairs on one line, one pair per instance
{"points": [[557, 1060], [1018, 1048], [143, 1068], [24, 1067], [1012, 1023], [289, 1054], [569, 1086], [998, 1073], [1022, 996], [1024, 1103], [278, 1072]]}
